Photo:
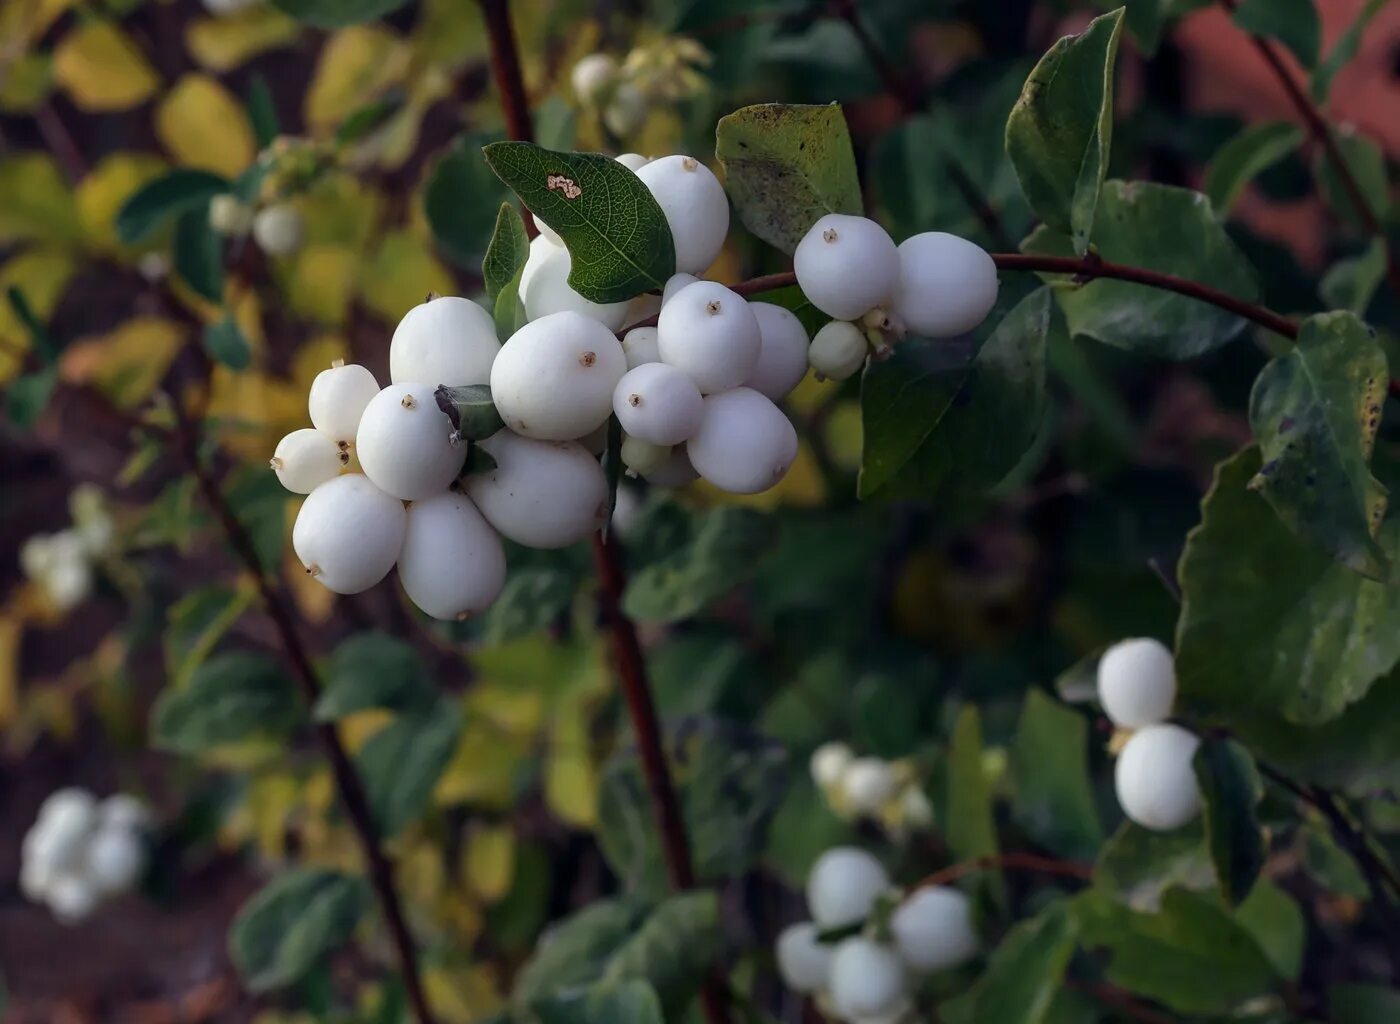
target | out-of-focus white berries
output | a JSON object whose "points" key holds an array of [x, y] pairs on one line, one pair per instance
{"points": [[1137, 682], [659, 404], [867, 980], [838, 350], [803, 961], [348, 533], [79, 852], [745, 444], [709, 332], [405, 443], [867, 784], [627, 110], [782, 352], [640, 346], [229, 216], [115, 859], [695, 206], [846, 265], [229, 6], [61, 566], [915, 811], [633, 161], [594, 77], [946, 285], [452, 564], [932, 929], [1155, 780], [72, 898], [447, 340], [549, 292], [544, 494], [338, 398], [554, 379], [279, 230], [829, 762], [307, 458], [843, 886]]}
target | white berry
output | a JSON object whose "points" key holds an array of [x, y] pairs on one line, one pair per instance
{"points": [[71, 897], [338, 398], [115, 860], [915, 809], [452, 564], [640, 346], [542, 247], [307, 458], [829, 762], [838, 351], [867, 980], [554, 379], [843, 886], [745, 444], [549, 292], [1137, 682], [803, 962], [674, 284], [643, 457], [868, 783], [846, 265], [447, 340], [633, 161], [229, 216], [405, 443], [124, 811], [695, 206], [279, 230], [659, 404], [1155, 780], [65, 822], [626, 111], [782, 353], [933, 930], [543, 494], [947, 285], [348, 533], [593, 78], [711, 333]]}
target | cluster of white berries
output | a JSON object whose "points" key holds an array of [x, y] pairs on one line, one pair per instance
{"points": [[934, 285], [657, 73], [278, 228], [868, 977], [871, 787], [222, 7], [81, 851], [63, 563], [1154, 777]]}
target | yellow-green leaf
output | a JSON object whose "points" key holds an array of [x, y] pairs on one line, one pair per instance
{"points": [[102, 68], [203, 125], [35, 202], [355, 64], [231, 40], [106, 187]]}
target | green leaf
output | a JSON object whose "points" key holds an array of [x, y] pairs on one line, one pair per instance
{"points": [[1343, 50], [1060, 132], [1050, 758], [1275, 921], [577, 949], [1315, 411], [786, 166], [162, 200], [198, 254], [507, 252], [368, 118], [509, 310], [615, 231], [530, 600], [402, 763], [471, 410], [1351, 283], [284, 930], [337, 13], [1027, 970], [1270, 625], [624, 1002], [1244, 157], [723, 553], [1137, 865], [1367, 165], [673, 949], [1230, 792], [223, 340], [460, 198], [260, 503], [28, 396], [196, 623], [1293, 22], [374, 670], [1158, 227], [969, 820], [43, 342], [231, 698], [262, 112], [1363, 1004]]}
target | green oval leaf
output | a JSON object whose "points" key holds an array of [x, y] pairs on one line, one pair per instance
{"points": [[402, 763], [1245, 157], [198, 254], [374, 670], [223, 340], [164, 199], [507, 252], [229, 699], [1230, 792], [292, 922]]}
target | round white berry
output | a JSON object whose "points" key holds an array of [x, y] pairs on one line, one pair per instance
{"points": [[711, 333], [543, 494], [279, 230], [640, 346], [782, 353], [633, 161], [65, 823], [549, 292], [745, 444], [695, 206], [643, 457], [1137, 682], [71, 897], [867, 784], [115, 859], [228, 216], [659, 404], [838, 351], [626, 111], [124, 811], [593, 77], [338, 398], [348, 533], [677, 472], [1155, 780], [405, 443], [542, 247], [933, 930], [554, 379], [829, 762], [867, 980], [307, 458], [846, 265], [947, 285], [674, 284], [447, 340], [843, 886], [452, 564], [803, 962]]}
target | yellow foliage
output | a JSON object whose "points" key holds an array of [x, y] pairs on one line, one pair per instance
{"points": [[483, 768], [11, 632], [316, 355], [319, 283], [230, 40], [488, 862], [42, 275], [811, 394], [510, 708], [22, 22], [449, 33], [355, 65], [571, 784], [203, 125], [462, 995], [421, 874], [844, 434], [340, 210], [103, 191], [313, 601], [102, 69], [256, 410], [128, 362], [400, 273], [356, 729], [25, 82], [36, 204]]}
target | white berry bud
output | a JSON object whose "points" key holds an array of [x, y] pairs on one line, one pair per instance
{"points": [[947, 285], [933, 930], [829, 762], [867, 784], [452, 564], [803, 962], [543, 494], [711, 333], [782, 352], [745, 444], [228, 216], [1137, 682], [1155, 780], [115, 859], [626, 111], [447, 340], [279, 230], [695, 206], [405, 443], [549, 292], [838, 351], [593, 77], [639, 345], [554, 379], [843, 886], [658, 404], [307, 458], [348, 533], [338, 398], [846, 265], [868, 980], [643, 457], [633, 161]]}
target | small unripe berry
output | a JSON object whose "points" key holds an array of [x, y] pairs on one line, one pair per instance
{"points": [[695, 206], [338, 398], [838, 351], [782, 352], [549, 292], [1155, 780], [846, 265], [228, 216], [709, 332], [933, 930], [543, 494], [279, 230], [115, 859], [633, 161], [947, 285], [307, 458], [658, 404], [643, 457], [843, 886], [867, 784], [593, 77], [452, 565], [829, 762], [626, 111], [1137, 682], [745, 444], [348, 533], [447, 340], [804, 962], [640, 346], [867, 980], [554, 379], [405, 443]]}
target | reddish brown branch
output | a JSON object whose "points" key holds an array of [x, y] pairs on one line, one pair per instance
{"points": [[1033, 862], [510, 82], [60, 142]]}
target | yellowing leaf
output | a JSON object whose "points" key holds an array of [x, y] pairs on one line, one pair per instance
{"points": [[127, 363], [35, 202], [340, 210], [483, 768], [421, 874], [103, 191], [313, 601], [103, 69], [488, 862], [449, 33], [355, 65], [462, 996], [570, 777], [399, 274], [230, 40], [356, 729], [42, 275], [25, 83], [319, 282], [203, 125], [255, 410], [22, 22], [517, 711], [316, 355], [11, 632]]}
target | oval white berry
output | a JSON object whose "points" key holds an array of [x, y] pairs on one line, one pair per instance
{"points": [[549, 292], [338, 398], [932, 929], [1137, 682], [447, 340], [677, 472], [1154, 778], [633, 161], [695, 206], [404, 443], [643, 457], [947, 285], [745, 444], [846, 265], [658, 403], [838, 351], [803, 962], [543, 494], [307, 458], [829, 762], [593, 77], [782, 352], [114, 862], [554, 379], [279, 230], [348, 533], [452, 564], [709, 332], [546, 231], [867, 784], [868, 980], [843, 886], [640, 346]]}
